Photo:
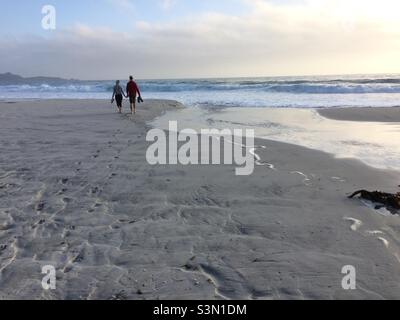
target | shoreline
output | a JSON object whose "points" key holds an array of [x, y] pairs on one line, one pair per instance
{"points": [[78, 193], [370, 114], [374, 143], [355, 114]]}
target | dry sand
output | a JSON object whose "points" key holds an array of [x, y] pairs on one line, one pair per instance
{"points": [[76, 192], [362, 114]]}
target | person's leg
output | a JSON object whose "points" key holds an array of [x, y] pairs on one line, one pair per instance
{"points": [[130, 104], [134, 104], [119, 99]]}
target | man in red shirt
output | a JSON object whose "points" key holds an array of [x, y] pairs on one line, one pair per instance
{"points": [[131, 90]]}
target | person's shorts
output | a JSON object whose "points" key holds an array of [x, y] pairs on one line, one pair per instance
{"points": [[132, 99], [119, 99]]}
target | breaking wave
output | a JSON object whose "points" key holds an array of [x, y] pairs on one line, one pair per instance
{"points": [[279, 91]]}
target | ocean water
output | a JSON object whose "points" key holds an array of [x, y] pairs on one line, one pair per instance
{"points": [[278, 108], [374, 143], [302, 92]]}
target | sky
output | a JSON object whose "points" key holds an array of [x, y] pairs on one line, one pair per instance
{"points": [[107, 39]]}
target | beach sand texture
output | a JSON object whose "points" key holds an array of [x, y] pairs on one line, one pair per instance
{"points": [[382, 114], [76, 192]]}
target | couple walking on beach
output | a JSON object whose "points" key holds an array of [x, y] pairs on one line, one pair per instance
{"points": [[131, 90]]}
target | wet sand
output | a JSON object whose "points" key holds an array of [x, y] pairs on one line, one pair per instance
{"points": [[76, 192], [362, 114]]}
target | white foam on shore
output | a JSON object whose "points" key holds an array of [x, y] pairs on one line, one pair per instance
{"points": [[384, 241], [377, 207], [374, 232], [376, 144], [356, 224], [306, 181]]}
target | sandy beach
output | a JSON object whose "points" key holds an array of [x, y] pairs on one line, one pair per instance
{"points": [[76, 192], [382, 114]]}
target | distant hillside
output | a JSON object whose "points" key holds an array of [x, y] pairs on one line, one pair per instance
{"points": [[13, 79]]}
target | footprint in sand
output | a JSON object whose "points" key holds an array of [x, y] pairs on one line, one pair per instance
{"points": [[38, 223], [62, 191], [113, 175], [67, 200], [95, 190], [94, 207], [40, 206], [356, 224]]}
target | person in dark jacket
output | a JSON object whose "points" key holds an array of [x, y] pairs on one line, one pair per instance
{"points": [[132, 90]]}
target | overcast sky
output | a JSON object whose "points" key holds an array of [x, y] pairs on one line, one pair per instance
{"points": [[107, 39]]}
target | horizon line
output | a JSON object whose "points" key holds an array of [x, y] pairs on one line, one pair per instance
{"points": [[211, 77]]}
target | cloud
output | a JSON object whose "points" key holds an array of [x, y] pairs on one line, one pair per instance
{"points": [[123, 4], [308, 37], [168, 4]]}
